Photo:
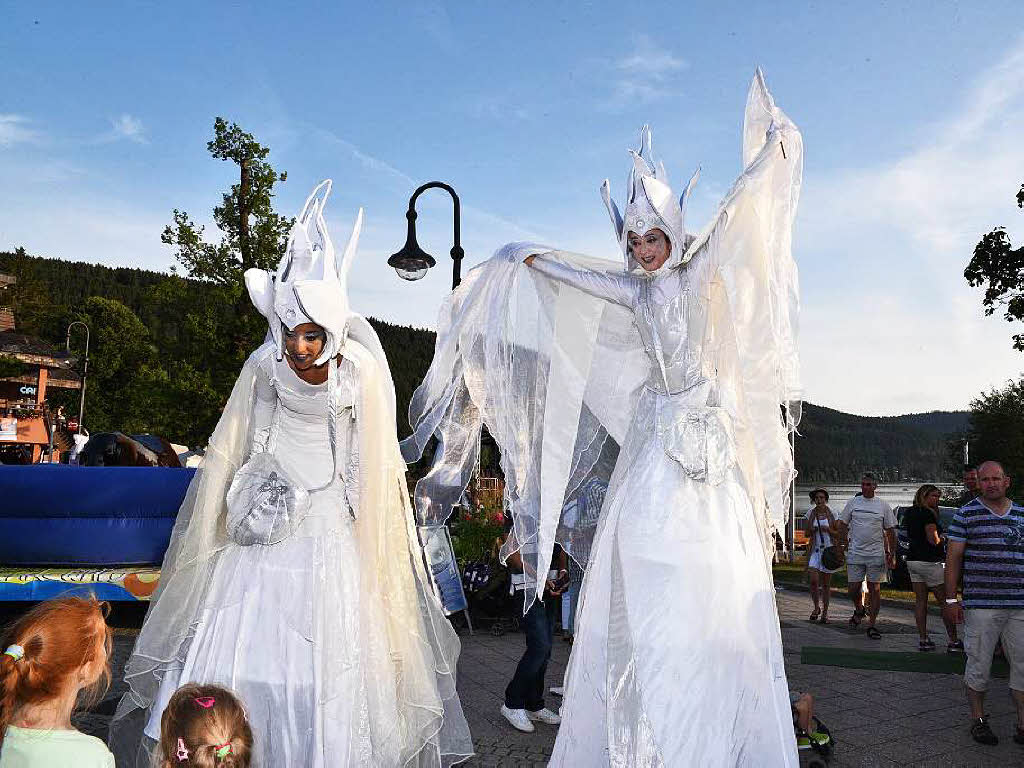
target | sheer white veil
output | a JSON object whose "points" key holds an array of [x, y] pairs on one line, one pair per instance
{"points": [[553, 373]]}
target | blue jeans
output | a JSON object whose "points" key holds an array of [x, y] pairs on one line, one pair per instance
{"points": [[526, 690]]}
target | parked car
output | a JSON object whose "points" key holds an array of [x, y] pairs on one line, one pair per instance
{"points": [[900, 577]]}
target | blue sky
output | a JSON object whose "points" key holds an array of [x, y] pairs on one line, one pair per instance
{"points": [[912, 115]]}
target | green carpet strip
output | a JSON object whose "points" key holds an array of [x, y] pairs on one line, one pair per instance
{"points": [[935, 662]]}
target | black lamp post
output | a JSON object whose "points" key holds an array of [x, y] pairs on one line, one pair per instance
{"points": [[412, 262], [85, 368]]}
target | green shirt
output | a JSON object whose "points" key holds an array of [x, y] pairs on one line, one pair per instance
{"points": [[32, 748]]}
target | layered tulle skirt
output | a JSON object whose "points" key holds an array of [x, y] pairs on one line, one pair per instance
{"points": [[677, 659], [279, 625]]}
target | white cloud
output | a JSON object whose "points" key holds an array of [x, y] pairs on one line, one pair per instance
{"points": [[107, 231], [645, 75], [890, 324], [16, 129], [126, 126]]}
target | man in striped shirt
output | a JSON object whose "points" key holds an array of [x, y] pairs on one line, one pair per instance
{"points": [[986, 540]]}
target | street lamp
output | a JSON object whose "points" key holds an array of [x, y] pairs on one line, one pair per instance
{"points": [[412, 262], [85, 368]]}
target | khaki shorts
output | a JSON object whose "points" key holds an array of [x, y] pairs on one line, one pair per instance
{"points": [[931, 574], [982, 628], [875, 572]]}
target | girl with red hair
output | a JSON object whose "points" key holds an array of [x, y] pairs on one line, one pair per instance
{"points": [[55, 658]]}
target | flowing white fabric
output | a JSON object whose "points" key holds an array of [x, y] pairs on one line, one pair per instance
{"points": [[333, 638], [686, 383]]}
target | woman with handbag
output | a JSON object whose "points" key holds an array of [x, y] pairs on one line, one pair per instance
{"points": [[926, 560], [820, 527], [293, 575]]}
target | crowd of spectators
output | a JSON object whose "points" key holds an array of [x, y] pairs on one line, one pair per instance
{"points": [[980, 554]]}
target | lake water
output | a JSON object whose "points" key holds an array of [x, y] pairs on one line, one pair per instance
{"points": [[894, 494]]}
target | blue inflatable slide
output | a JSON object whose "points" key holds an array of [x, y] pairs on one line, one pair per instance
{"points": [[101, 529]]}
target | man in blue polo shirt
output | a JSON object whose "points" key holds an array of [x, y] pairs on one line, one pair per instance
{"points": [[986, 539]]}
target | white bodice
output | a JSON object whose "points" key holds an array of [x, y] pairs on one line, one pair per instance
{"points": [[291, 421]]}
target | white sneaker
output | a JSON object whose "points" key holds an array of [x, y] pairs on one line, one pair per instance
{"points": [[558, 690], [544, 716], [518, 719]]}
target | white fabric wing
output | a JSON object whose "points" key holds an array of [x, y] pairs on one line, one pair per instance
{"points": [[750, 240], [553, 372]]}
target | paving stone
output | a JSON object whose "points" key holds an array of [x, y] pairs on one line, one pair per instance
{"points": [[880, 719]]}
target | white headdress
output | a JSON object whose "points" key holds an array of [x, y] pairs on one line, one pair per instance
{"points": [[311, 284], [650, 204]]}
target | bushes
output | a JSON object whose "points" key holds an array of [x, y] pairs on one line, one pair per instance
{"points": [[475, 533]]}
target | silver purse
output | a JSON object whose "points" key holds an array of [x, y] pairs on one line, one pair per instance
{"points": [[265, 505]]}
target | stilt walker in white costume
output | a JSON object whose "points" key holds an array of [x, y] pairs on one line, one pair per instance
{"points": [[293, 575], [676, 369]]}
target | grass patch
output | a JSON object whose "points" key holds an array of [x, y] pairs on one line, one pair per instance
{"points": [[796, 573]]}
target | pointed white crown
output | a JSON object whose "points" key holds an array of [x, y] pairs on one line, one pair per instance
{"points": [[311, 283], [650, 204]]}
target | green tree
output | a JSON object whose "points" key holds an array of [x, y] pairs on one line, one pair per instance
{"points": [[216, 328], [252, 235], [996, 429], [999, 267], [126, 383]]}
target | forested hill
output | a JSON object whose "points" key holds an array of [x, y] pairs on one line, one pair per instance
{"points": [[176, 315], [833, 446], [836, 447]]}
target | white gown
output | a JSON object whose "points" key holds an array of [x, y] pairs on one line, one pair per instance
{"points": [[692, 374], [291, 628], [677, 658], [269, 610]]}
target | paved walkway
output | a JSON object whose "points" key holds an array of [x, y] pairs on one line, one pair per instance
{"points": [[880, 719]]}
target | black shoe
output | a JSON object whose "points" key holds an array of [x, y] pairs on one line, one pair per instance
{"points": [[982, 734], [1018, 737]]}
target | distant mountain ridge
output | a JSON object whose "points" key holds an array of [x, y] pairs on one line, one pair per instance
{"points": [[837, 447], [833, 446]]}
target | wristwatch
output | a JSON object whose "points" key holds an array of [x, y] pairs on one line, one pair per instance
{"points": [[952, 600]]}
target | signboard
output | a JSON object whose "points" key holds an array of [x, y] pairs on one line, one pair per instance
{"points": [[439, 554], [8, 428], [19, 391]]}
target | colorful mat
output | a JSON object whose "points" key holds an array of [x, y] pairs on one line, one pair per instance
{"points": [[127, 583]]}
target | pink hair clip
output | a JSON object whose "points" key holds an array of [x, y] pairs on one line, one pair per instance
{"points": [[182, 753], [206, 702]]}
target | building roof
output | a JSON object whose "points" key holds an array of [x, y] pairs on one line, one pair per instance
{"points": [[33, 350]]}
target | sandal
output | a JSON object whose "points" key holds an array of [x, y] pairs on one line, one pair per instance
{"points": [[824, 618], [814, 615], [874, 634], [858, 616], [957, 646], [926, 645], [982, 733]]}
